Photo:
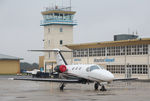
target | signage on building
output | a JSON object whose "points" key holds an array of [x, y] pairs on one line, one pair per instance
{"points": [[77, 59], [104, 60]]}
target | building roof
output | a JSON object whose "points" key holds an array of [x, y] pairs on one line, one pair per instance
{"points": [[125, 34], [109, 43], [7, 57], [55, 11]]}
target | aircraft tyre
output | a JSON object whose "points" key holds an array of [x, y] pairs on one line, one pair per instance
{"points": [[96, 86], [62, 87], [103, 88]]}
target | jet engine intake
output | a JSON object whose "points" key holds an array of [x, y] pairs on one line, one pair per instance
{"points": [[60, 68]]}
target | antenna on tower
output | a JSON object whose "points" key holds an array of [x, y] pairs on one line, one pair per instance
{"points": [[128, 30], [136, 32], [55, 4], [70, 4], [133, 33], [62, 4]]}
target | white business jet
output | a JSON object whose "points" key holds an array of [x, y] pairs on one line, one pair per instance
{"points": [[83, 73]]}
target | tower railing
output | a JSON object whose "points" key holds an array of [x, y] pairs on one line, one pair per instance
{"points": [[48, 22]]}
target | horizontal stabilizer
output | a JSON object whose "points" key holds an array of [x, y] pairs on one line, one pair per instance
{"points": [[53, 50], [58, 53]]}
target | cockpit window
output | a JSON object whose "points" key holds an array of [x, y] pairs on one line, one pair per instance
{"points": [[95, 67]]}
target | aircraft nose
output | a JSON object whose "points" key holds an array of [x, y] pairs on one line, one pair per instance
{"points": [[104, 75], [110, 76]]}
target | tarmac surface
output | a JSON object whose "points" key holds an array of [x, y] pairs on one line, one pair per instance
{"points": [[12, 90]]}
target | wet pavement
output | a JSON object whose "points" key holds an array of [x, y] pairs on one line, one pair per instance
{"points": [[11, 90]]}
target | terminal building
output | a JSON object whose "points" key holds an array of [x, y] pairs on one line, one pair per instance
{"points": [[126, 57]]}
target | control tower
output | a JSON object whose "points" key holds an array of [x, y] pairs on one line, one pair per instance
{"points": [[58, 31]]}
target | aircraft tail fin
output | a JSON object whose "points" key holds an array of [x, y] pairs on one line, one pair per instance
{"points": [[60, 59]]}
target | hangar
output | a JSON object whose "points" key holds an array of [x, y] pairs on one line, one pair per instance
{"points": [[9, 64]]}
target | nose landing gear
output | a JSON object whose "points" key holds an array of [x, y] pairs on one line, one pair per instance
{"points": [[97, 84], [62, 85], [103, 88]]}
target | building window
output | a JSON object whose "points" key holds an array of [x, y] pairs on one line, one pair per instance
{"points": [[120, 69], [80, 53], [74, 53], [122, 50], [90, 52], [112, 51], [145, 49], [128, 50], [61, 29], [61, 42]]}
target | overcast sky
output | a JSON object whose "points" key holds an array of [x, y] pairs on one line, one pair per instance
{"points": [[98, 20]]}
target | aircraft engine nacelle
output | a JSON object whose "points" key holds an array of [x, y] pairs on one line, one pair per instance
{"points": [[60, 68]]}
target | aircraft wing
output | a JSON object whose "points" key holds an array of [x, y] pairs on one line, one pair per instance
{"points": [[49, 80], [126, 79]]}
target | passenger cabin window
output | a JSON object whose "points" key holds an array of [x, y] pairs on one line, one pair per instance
{"points": [[80, 68], [76, 68], [73, 68]]}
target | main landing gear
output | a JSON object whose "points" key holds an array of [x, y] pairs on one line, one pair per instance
{"points": [[62, 85], [102, 87], [96, 85]]}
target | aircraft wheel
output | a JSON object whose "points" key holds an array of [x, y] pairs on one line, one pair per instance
{"points": [[96, 86], [62, 87], [103, 88]]}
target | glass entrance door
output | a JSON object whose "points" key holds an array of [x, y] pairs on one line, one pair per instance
{"points": [[128, 73]]}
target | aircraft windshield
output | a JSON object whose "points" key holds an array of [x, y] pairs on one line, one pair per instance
{"points": [[95, 67]]}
